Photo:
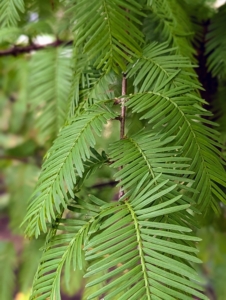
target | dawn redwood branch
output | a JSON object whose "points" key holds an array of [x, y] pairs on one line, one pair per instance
{"points": [[123, 114], [104, 184], [16, 50], [123, 117], [123, 108]]}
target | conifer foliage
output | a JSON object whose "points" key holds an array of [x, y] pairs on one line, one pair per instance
{"points": [[116, 101]]}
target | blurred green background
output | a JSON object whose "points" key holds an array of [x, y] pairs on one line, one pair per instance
{"points": [[23, 141]]}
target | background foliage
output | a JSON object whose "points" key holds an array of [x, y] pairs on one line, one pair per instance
{"points": [[49, 93]]}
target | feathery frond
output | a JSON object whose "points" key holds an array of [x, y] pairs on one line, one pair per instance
{"points": [[173, 25], [64, 250], [64, 162], [216, 44], [79, 64], [160, 64], [92, 86], [88, 84], [149, 155], [138, 257], [109, 32], [10, 12], [173, 117], [50, 80], [175, 110]]}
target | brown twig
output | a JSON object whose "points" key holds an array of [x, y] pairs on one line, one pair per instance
{"points": [[123, 108], [103, 185], [16, 50], [123, 118]]}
